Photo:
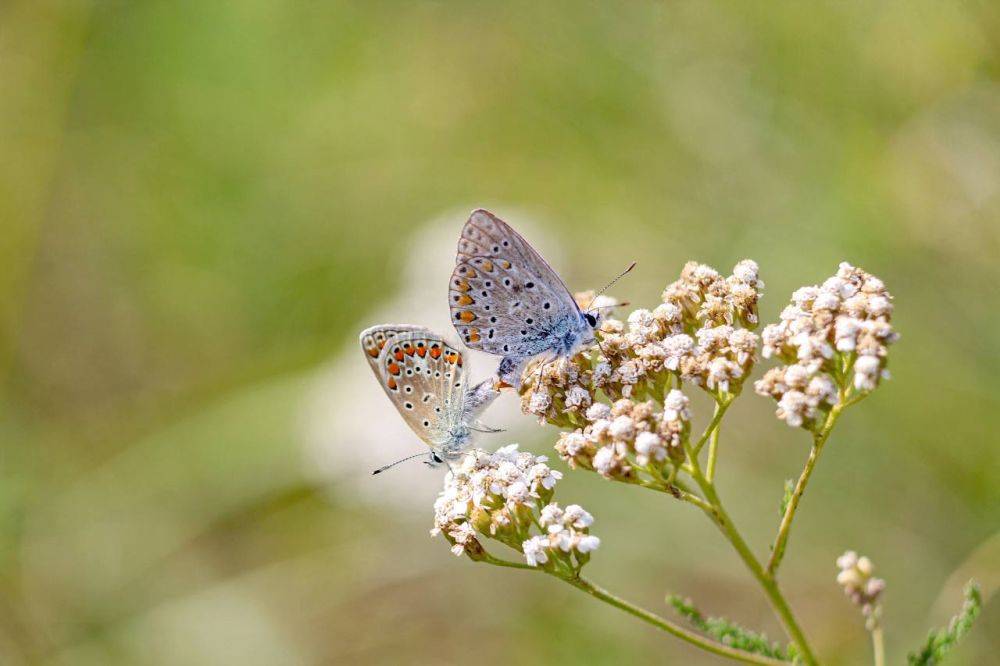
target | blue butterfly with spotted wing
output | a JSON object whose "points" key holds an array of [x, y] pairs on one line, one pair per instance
{"points": [[506, 300], [424, 377]]}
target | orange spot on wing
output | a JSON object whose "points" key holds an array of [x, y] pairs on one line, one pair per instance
{"points": [[504, 264], [487, 266], [391, 384], [436, 352], [373, 352], [465, 299], [462, 285], [408, 348], [394, 369], [398, 355], [421, 351], [474, 335], [467, 316]]}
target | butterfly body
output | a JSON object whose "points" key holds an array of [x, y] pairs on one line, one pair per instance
{"points": [[425, 379], [506, 300]]}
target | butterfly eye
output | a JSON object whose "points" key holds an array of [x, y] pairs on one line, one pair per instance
{"points": [[591, 319]]}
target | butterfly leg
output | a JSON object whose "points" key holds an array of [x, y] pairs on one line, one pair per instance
{"points": [[479, 397], [509, 371], [541, 368], [479, 426]]}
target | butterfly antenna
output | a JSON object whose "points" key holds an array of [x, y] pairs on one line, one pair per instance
{"points": [[623, 304], [393, 464], [612, 283]]}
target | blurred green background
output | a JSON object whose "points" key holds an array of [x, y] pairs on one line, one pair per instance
{"points": [[203, 202]]}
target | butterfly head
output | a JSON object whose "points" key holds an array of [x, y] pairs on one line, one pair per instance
{"points": [[591, 322], [581, 335], [454, 447]]}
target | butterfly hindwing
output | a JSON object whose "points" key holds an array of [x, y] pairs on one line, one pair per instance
{"points": [[504, 298], [422, 375], [374, 339]]}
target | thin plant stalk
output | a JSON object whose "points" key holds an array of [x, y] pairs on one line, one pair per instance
{"points": [[720, 517], [713, 449], [666, 625], [653, 619], [784, 529], [721, 405], [878, 646]]}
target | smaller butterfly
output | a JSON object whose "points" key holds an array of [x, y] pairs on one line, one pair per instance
{"points": [[506, 300], [425, 379]]}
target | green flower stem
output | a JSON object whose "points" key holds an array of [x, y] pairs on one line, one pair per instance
{"points": [[666, 625], [651, 618], [677, 490], [489, 559], [720, 517], [819, 439], [720, 410], [878, 645], [713, 448]]}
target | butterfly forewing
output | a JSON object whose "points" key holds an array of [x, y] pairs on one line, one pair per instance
{"points": [[504, 297], [422, 375]]}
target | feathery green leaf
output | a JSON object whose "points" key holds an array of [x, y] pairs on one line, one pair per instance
{"points": [[941, 641], [725, 631]]}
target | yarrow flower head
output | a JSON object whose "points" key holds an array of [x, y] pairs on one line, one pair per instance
{"points": [[558, 391], [834, 339], [860, 586], [629, 438], [700, 333], [504, 496], [705, 296]]}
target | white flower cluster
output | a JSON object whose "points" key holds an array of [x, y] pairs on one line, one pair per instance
{"points": [[627, 435], [861, 587], [694, 334], [697, 334], [553, 390], [834, 334], [501, 496], [705, 296], [566, 530]]}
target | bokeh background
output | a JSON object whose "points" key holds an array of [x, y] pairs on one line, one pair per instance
{"points": [[203, 202]]}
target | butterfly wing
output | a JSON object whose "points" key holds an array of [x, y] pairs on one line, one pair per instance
{"points": [[505, 299], [422, 375], [375, 338]]}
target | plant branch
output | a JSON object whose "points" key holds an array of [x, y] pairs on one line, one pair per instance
{"points": [[720, 410], [717, 513], [878, 646], [666, 625], [781, 540], [497, 561], [713, 448], [481, 555]]}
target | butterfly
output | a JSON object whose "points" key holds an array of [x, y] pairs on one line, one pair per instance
{"points": [[425, 379], [506, 300]]}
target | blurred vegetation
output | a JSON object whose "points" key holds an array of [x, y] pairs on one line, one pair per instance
{"points": [[200, 201]]}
